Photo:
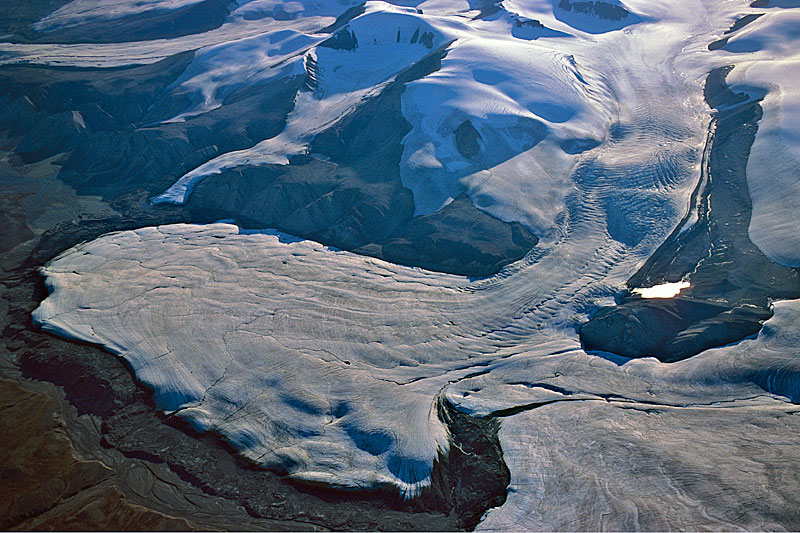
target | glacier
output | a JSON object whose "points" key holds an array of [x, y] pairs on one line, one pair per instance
{"points": [[583, 121]]}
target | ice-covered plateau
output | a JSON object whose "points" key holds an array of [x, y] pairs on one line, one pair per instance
{"points": [[583, 121]]}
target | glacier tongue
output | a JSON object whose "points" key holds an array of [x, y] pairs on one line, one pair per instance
{"points": [[328, 364], [318, 362]]}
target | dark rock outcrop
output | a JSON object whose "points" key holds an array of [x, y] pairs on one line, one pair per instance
{"points": [[343, 39], [353, 199], [740, 23], [669, 329], [732, 281], [473, 477], [458, 239], [107, 126], [467, 138]]}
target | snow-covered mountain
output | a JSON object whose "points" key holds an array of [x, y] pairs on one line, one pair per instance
{"points": [[465, 185]]}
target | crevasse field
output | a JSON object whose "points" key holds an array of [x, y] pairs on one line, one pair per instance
{"points": [[584, 122]]}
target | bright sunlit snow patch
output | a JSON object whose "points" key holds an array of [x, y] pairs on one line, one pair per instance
{"points": [[478, 118], [665, 290]]}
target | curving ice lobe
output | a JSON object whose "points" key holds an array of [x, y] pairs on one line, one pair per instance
{"points": [[333, 385], [305, 311], [319, 362], [768, 65]]}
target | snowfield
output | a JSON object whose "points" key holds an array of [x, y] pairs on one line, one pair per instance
{"points": [[585, 122], [768, 66]]}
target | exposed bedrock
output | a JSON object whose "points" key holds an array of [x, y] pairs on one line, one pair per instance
{"points": [[603, 10], [473, 476], [344, 18], [343, 39], [47, 485], [467, 139], [355, 199], [18, 16], [594, 16], [467, 481], [740, 23], [732, 283], [99, 120], [13, 227], [107, 127], [670, 329]]}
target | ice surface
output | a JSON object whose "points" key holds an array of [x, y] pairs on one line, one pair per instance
{"points": [[504, 119], [388, 42], [239, 25], [767, 55], [219, 70], [333, 384], [409, 333], [515, 95], [321, 362], [330, 365], [674, 446]]}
